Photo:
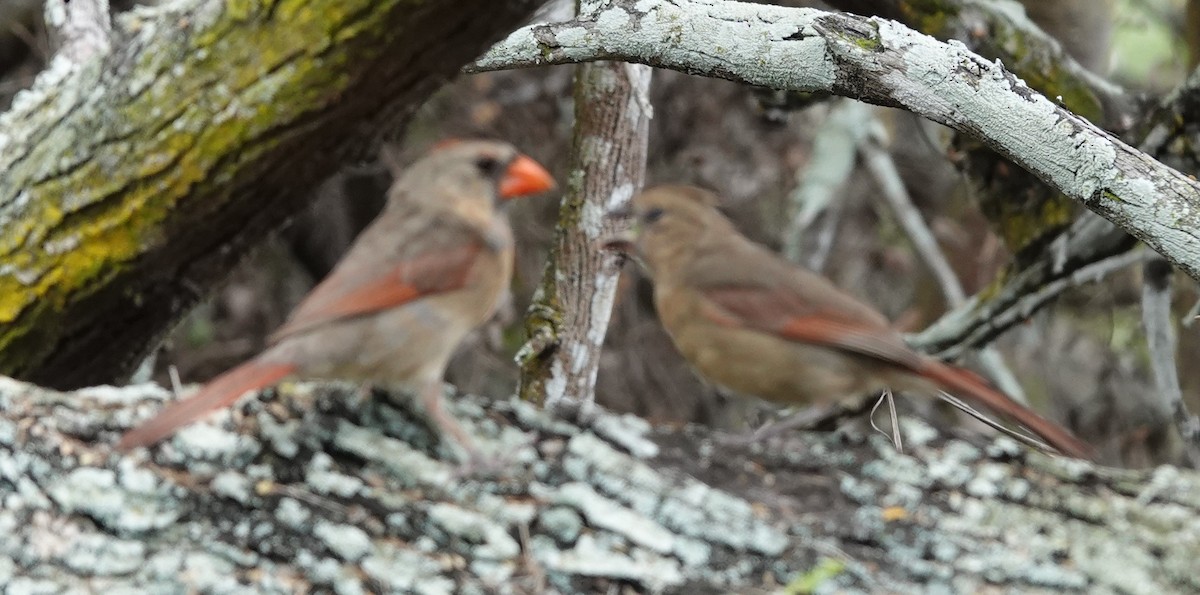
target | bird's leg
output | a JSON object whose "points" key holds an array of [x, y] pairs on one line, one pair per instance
{"points": [[362, 395], [476, 463], [431, 400]]}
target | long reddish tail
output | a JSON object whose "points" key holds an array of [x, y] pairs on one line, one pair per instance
{"points": [[966, 384], [222, 391]]}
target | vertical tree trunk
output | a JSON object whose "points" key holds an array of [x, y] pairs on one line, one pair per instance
{"points": [[568, 317]]}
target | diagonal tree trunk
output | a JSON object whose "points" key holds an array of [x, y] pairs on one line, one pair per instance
{"points": [[130, 182]]}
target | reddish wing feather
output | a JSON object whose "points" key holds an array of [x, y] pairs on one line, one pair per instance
{"points": [[972, 385], [345, 294], [790, 317], [776, 311]]}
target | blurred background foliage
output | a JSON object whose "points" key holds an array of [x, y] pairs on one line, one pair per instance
{"points": [[1082, 360], [1150, 43]]}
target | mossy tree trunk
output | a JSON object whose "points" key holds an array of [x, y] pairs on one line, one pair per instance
{"points": [[131, 182]]}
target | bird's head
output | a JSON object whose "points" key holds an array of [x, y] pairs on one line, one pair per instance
{"points": [[472, 177], [665, 223]]}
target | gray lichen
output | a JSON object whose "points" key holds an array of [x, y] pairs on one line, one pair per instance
{"points": [[354, 508]]}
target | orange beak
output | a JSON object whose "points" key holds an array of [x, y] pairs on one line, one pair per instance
{"points": [[524, 177]]}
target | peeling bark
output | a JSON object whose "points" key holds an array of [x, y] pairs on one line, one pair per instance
{"points": [[305, 490], [130, 182], [568, 318]]}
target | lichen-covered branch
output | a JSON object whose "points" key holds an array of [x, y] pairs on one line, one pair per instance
{"points": [[980, 320], [569, 315], [312, 489], [1171, 134], [131, 181], [882, 62], [1159, 326], [1000, 29], [82, 29]]}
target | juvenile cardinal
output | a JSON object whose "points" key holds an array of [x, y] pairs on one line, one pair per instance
{"points": [[426, 272], [755, 323]]}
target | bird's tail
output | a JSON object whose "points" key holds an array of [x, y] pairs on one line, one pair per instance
{"points": [[972, 387], [222, 391]]}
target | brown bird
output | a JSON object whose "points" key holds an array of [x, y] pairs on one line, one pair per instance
{"points": [[751, 321], [427, 271]]}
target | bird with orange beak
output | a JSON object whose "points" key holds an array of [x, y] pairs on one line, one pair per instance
{"points": [[755, 323], [431, 268]]}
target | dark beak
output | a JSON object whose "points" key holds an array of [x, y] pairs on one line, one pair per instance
{"points": [[622, 244], [624, 239]]}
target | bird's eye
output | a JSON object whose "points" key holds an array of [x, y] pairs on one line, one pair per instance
{"points": [[490, 166], [653, 215]]}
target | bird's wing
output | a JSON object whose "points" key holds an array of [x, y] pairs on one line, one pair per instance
{"points": [[787, 315], [746, 285], [439, 258], [798, 305]]}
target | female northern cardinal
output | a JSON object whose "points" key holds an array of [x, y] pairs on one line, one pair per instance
{"points": [[753, 322], [426, 272]]}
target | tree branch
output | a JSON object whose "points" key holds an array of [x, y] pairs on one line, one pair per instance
{"points": [[82, 28], [978, 322], [568, 317], [1169, 131], [887, 178], [882, 62], [1159, 327], [1000, 29]]}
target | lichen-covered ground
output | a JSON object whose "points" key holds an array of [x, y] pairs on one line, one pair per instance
{"points": [[318, 488]]}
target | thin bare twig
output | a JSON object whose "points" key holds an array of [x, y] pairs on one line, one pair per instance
{"points": [[834, 153], [1160, 341], [897, 442], [961, 405], [1192, 315], [989, 323], [176, 384], [891, 186], [825, 229]]}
